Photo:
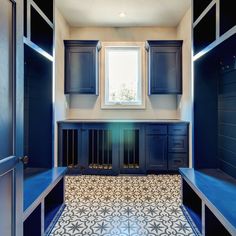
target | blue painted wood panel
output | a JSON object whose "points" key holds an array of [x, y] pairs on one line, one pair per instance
{"points": [[227, 122], [205, 112], [156, 152]]}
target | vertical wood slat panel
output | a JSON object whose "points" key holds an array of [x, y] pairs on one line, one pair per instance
{"points": [[67, 147], [70, 147], [93, 148], [103, 147], [134, 146], [97, 163], [99, 149], [73, 148], [108, 148]]}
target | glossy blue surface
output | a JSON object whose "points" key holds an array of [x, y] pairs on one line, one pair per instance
{"points": [[216, 188], [37, 181]]}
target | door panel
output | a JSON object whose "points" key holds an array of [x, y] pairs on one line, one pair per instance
{"points": [[6, 73], [156, 152], [6, 203], [11, 117]]}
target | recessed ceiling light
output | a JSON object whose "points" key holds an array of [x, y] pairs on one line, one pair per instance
{"points": [[122, 14]]}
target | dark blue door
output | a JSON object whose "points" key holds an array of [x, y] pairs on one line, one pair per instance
{"points": [[11, 118]]}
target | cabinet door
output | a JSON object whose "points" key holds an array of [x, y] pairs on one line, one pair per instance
{"points": [[80, 70], [165, 71], [132, 159], [156, 152], [99, 150], [11, 117]]}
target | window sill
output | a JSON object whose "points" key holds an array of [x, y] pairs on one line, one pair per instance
{"points": [[123, 107]]}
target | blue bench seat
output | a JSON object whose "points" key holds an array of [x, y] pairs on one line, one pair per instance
{"points": [[43, 195], [217, 192]]}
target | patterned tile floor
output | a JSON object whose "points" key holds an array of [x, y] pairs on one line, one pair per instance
{"points": [[122, 206]]}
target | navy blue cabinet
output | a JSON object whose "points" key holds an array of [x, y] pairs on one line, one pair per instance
{"points": [[165, 67], [81, 67], [177, 146], [166, 147], [122, 147]]}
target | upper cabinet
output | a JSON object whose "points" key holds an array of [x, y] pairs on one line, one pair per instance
{"points": [[218, 17], [165, 67], [81, 66]]}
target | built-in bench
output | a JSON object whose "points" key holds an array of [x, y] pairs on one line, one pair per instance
{"points": [[209, 199], [43, 199]]}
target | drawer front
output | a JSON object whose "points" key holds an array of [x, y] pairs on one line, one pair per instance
{"points": [[156, 129], [177, 144], [178, 129], [177, 160]]}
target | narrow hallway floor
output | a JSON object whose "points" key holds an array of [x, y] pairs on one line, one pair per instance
{"points": [[122, 206]]}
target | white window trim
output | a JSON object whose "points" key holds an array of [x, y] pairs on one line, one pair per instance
{"points": [[141, 45]]}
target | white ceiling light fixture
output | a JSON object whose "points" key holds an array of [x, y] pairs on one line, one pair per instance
{"points": [[122, 14]]}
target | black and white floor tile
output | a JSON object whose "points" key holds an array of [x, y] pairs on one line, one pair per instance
{"points": [[122, 206]]}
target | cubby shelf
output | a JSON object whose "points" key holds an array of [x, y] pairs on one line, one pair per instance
{"points": [[37, 49]]}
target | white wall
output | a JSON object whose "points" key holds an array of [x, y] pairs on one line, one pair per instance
{"points": [[184, 32], [62, 32], [89, 107]]}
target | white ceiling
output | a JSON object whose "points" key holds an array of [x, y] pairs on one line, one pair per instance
{"points": [[162, 13]]}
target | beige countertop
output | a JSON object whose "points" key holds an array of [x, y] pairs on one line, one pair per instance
{"points": [[122, 121]]}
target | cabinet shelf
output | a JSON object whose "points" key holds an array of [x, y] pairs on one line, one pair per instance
{"points": [[37, 49]]}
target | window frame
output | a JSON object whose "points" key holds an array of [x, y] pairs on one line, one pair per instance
{"points": [[141, 46]]}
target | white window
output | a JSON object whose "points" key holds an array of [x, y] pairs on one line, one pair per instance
{"points": [[123, 78]]}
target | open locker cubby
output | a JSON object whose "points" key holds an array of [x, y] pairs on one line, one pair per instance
{"points": [[193, 205], [38, 109], [32, 225], [227, 15], [203, 37], [46, 7], [212, 225], [40, 27], [198, 7], [53, 202]]}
